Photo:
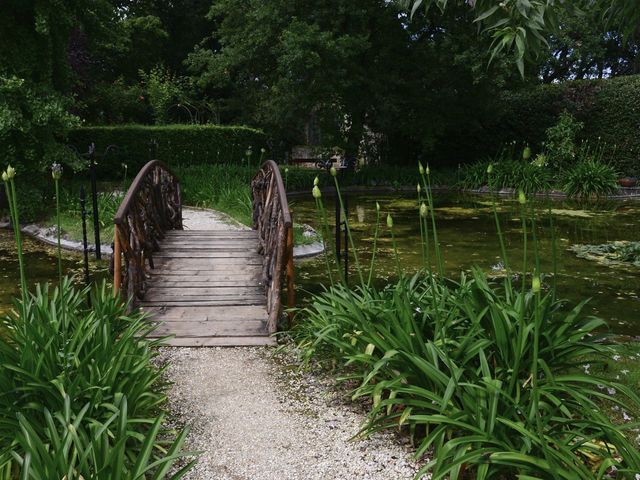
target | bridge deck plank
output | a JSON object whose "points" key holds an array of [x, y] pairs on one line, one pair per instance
{"points": [[207, 289]]}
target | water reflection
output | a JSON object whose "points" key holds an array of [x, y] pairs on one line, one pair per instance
{"points": [[40, 266]]}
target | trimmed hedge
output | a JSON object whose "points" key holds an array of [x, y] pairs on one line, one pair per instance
{"points": [[609, 109], [176, 144]]}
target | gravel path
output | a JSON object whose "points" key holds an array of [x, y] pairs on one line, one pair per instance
{"points": [[254, 417], [205, 219]]}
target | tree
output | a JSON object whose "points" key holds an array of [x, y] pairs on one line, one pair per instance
{"points": [[36, 78], [523, 26], [583, 47], [278, 64]]}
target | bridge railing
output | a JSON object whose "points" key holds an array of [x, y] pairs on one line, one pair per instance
{"points": [[151, 206], [272, 220]]}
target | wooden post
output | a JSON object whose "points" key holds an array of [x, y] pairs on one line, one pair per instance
{"points": [[291, 293], [117, 273]]}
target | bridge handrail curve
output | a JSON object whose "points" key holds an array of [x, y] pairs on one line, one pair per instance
{"points": [[272, 220], [151, 206]]}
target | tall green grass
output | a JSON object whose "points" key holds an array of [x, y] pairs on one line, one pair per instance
{"points": [[222, 187], [484, 375]]}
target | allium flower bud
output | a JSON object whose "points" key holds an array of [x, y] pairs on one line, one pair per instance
{"points": [[5, 177], [333, 171], [11, 172], [427, 171], [522, 198], [263, 150], [490, 169], [316, 192], [316, 181], [535, 284], [420, 168], [56, 171], [526, 153], [424, 210], [389, 221], [377, 207], [419, 188], [249, 152], [286, 170]]}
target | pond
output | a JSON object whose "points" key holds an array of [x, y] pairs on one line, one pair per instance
{"points": [[467, 231], [468, 236], [41, 265]]}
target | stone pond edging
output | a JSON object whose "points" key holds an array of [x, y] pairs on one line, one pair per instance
{"points": [[48, 236], [624, 192]]}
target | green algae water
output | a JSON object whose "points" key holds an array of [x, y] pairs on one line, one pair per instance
{"points": [[41, 265], [467, 234]]}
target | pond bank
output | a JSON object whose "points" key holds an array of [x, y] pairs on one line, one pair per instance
{"points": [[194, 219], [623, 192]]}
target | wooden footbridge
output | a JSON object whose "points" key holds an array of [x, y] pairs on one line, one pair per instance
{"points": [[204, 287]]}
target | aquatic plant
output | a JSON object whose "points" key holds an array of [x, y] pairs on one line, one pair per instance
{"points": [[613, 253]]}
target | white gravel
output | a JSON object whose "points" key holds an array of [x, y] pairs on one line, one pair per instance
{"points": [[254, 417], [206, 219]]}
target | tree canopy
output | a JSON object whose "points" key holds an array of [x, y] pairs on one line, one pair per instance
{"points": [[403, 72]]}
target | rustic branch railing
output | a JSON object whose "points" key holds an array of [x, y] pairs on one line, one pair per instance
{"points": [[272, 220], [151, 206]]}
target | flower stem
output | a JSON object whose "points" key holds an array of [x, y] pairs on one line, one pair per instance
{"points": [[375, 247], [13, 208], [57, 185]]}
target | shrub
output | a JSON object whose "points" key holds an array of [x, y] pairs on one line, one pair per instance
{"points": [[606, 107], [63, 360], [452, 363], [32, 121], [163, 89], [560, 141], [530, 177], [590, 179], [176, 145]]}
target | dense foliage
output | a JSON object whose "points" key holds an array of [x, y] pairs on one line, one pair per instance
{"points": [[65, 365], [605, 108], [174, 144], [483, 374], [450, 362], [391, 77], [590, 178]]}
